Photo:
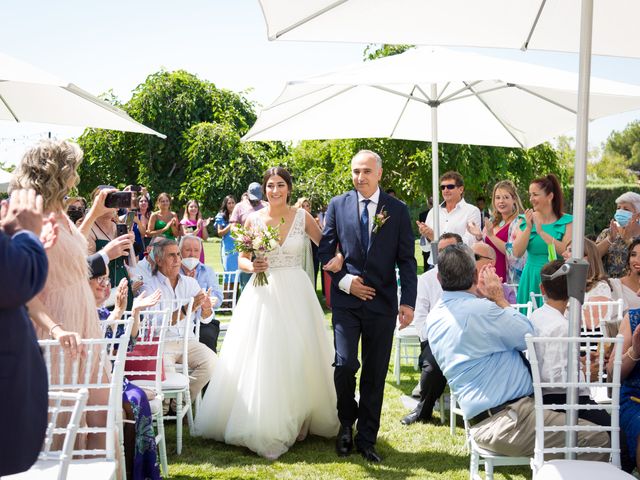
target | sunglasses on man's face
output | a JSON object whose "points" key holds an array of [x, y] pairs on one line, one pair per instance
{"points": [[479, 257], [448, 186]]}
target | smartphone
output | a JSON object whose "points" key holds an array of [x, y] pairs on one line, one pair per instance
{"points": [[119, 200], [121, 229]]}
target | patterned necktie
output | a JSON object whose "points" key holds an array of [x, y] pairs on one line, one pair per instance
{"points": [[364, 225]]}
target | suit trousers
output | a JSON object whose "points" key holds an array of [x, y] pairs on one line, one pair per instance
{"points": [[512, 432], [376, 331], [432, 382]]}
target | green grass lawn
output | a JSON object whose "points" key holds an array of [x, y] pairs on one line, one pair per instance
{"points": [[415, 452]]}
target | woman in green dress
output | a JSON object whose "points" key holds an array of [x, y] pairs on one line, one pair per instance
{"points": [[164, 222], [545, 232]]}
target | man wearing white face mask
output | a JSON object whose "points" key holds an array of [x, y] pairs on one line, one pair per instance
{"points": [[190, 248]]}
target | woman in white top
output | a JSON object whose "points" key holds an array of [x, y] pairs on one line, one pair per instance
{"points": [[627, 287]]}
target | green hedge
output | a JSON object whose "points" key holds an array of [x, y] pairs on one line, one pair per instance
{"points": [[601, 205]]}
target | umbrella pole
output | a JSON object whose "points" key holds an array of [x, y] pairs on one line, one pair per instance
{"points": [[435, 174], [579, 204]]}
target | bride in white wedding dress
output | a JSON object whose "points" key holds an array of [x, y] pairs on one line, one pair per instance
{"points": [[273, 382]]}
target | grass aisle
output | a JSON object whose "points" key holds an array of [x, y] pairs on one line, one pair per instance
{"points": [[416, 452]]}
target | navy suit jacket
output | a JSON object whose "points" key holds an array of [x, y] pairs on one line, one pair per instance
{"points": [[23, 376], [392, 245]]}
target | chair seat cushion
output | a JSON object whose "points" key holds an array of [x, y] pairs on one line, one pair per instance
{"points": [[174, 381], [575, 469]]}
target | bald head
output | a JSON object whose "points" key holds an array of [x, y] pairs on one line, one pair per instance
{"points": [[485, 254]]}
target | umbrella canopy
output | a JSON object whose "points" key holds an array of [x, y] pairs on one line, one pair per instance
{"points": [[28, 94], [528, 24], [480, 100], [5, 178]]}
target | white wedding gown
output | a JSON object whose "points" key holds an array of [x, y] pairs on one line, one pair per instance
{"points": [[273, 379]]}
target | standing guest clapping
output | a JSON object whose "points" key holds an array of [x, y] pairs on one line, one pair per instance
{"points": [[192, 223], [164, 222], [545, 232], [23, 382], [227, 246]]}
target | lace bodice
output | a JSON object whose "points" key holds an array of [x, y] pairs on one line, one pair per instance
{"points": [[291, 253]]}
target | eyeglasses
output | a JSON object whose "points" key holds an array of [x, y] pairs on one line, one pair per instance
{"points": [[448, 186], [103, 281], [478, 257]]}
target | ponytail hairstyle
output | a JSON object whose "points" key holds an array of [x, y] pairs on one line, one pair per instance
{"points": [[550, 184]]}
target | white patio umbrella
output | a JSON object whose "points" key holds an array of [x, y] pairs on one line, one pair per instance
{"points": [[435, 94], [5, 178], [28, 94]]}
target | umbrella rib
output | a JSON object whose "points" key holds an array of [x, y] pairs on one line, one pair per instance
{"points": [[473, 94], [404, 107], [303, 110], [466, 87], [424, 93], [400, 94], [9, 108], [302, 21], [446, 85], [552, 102], [495, 116], [525, 46], [273, 105]]}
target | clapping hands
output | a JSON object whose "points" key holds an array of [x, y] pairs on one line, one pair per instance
{"points": [[490, 285]]}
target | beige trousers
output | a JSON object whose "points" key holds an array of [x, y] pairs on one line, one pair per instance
{"points": [[512, 432], [202, 362]]}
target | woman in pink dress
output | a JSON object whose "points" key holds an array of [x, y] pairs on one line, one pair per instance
{"points": [[192, 223], [65, 308], [506, 208]]}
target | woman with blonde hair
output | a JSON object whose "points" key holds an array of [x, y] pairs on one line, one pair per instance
{"points": [[65, 308], [506, 208]]}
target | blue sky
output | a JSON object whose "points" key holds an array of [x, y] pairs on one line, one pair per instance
{"points": [[115, 45]]}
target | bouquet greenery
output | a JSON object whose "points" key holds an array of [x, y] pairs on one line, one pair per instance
{"points": [[257, 242]]}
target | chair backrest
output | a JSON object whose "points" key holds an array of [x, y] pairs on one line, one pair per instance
{"points": [[101, 367], [589, 379], [184, 326], [149, 348], [514, 286], [537, 299], [228, 282], [524, 308], [602, 318], [75, 403]]}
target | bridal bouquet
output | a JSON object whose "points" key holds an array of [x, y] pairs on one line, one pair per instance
{"points": [[257, 242]]}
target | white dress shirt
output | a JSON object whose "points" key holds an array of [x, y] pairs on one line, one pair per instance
{"points": [[345, 282], [456, 221], [429, 292], [186, 288], [552, 356]]}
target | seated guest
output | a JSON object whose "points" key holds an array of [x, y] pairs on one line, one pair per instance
{"points": [[190, 249], [486, 255], [432, 381], [175, 286], [478, 343], [549, 321], [630, 377], [140, 452], [627, 287]]}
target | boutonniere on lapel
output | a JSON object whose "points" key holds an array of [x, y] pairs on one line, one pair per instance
{"points": [[379, 220]]}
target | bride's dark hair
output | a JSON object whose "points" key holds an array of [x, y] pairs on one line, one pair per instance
{"points": [[282, 173]]}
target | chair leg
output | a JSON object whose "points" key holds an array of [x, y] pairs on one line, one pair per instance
{"points": [[162, 444], [474, 464], [441, 402], [189, 412], [396, 363], [179, 416], [452, 414], [488, 469]]}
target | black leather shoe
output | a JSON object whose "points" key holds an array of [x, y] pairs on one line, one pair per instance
{"points": [[344, 441], [413, 417], [370, 454]]}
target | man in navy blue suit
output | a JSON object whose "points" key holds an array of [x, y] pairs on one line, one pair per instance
{"points": [[373, 232], [23, 377]]}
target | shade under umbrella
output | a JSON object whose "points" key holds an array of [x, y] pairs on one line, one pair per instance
{"points": [[28, 94]]}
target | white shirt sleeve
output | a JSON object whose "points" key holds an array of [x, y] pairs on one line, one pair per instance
{"points": [[345, 283]]}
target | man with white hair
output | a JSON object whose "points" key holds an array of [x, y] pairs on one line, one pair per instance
{"points": [[190, 248]]}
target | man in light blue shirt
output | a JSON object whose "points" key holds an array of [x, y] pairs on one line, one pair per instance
{"points": [[190, 248], [477, 343]]}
